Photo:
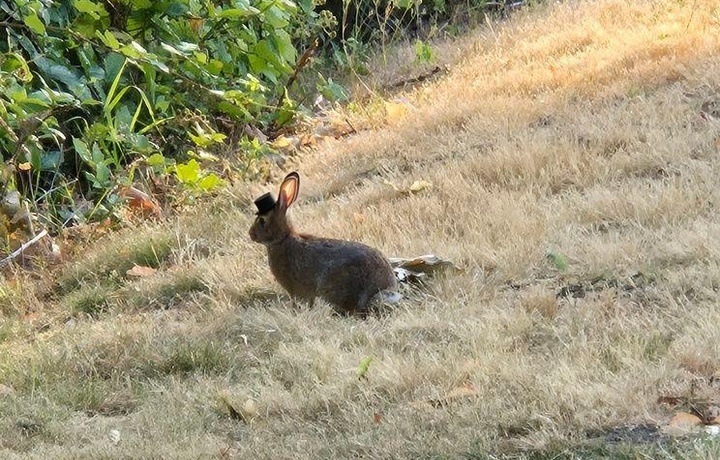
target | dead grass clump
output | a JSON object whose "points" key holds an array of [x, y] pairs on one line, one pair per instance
{"points": [[540, 299], [20, 296]]}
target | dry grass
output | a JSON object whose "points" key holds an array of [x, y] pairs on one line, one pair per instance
{"points": [[577, 128]]}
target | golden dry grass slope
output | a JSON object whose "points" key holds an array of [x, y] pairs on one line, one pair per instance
{"points": [[584, 130]]}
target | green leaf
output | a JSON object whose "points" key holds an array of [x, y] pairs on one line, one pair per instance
{"points": [[134, 50], [176, 9], [97, 155], [171, 49], [32, 104], [363, 367], [423, 52], [283, 43], [214, 67], [54, 70], [82, 150], [102, 174], [112, 99], [187, 47], [235, 13], [234, 110], [16, 64], [558, 260], [88, 60], [141, 4], [188, 173], [206, 139], [405, 4], [156, 62], [34, 23], [333, 91], [50, 160], [123, 119], [93, 9], [210, 182], [156, 159], [108, 39], [263, 60], [57, 71], [276, 18], [200, 58], [86, 26]]}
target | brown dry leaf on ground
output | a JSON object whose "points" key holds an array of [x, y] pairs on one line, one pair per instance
{"points": [[682, 419], [419, 185], [287, 143], [464, 391], [682, 424], [140, 201], [419, 267], [416, 187], [245, 412], [140, 271]]}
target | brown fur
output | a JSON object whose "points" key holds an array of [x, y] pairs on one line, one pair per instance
{"points": [[346, 274]]}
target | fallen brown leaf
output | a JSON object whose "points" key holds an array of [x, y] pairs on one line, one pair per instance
{"points": [[246, 413], [420, 185], [287, 143], [682, 424], [685, 419], [416, 187], [428, 263], [463, 391], [140, 201], [140, 271]]}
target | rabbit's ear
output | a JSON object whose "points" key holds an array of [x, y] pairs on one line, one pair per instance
{"points": [[289, 190]]}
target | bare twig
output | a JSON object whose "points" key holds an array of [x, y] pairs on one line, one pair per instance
{"points": [[302, 61], [22, 248], [418, 79], [352, 128]]}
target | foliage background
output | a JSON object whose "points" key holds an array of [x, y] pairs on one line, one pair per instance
{"points": [[97, 95], [88, 88]]}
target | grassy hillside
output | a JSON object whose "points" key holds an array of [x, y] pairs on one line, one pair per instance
{"points": [[574, 156]]}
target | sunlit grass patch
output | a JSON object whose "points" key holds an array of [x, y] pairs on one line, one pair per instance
{"points": [[164, 290], [150, 247]]}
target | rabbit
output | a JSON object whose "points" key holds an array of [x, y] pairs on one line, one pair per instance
{"points": [[346, 274]]}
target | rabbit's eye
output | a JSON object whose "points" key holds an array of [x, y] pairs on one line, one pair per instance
{"points": [[261, 221]]}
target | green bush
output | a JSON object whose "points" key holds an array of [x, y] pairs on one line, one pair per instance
{"points": [[89, 87]]}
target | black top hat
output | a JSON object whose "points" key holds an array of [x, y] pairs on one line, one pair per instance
{"points": [[265, 203]]}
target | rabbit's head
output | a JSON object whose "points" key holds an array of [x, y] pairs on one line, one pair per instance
{"points": [[271, 224]]}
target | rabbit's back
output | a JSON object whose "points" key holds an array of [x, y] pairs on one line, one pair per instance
{"points": [[347, 274]]}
